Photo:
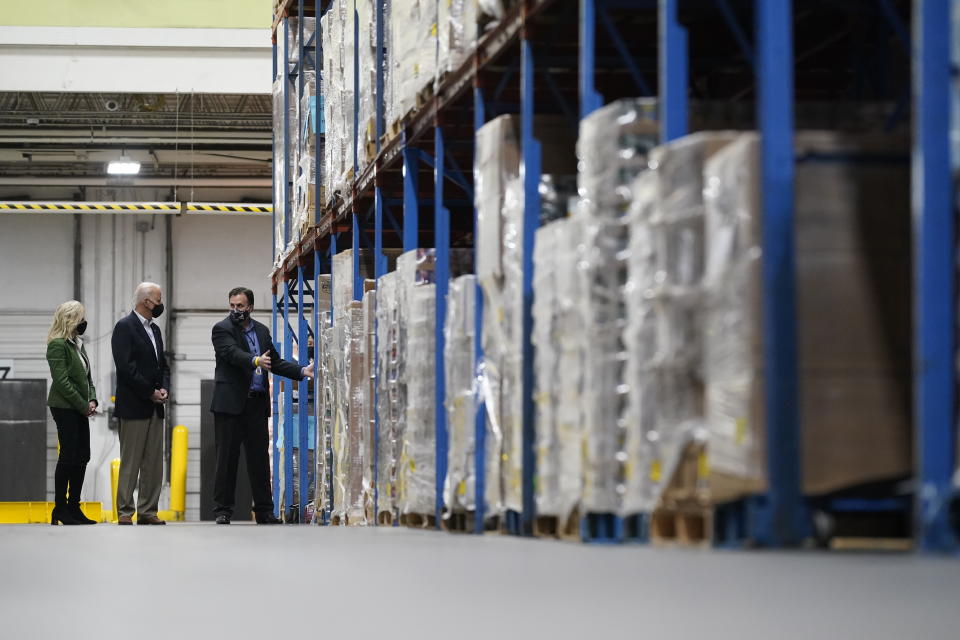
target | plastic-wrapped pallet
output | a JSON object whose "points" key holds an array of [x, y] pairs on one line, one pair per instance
{"points": [[337, 28], [342, 285], [357, 419], [571, 342], [413, 25], [461, 406], [545, 349], [328, 414], [457, 21], [348, 427], [852, 221], [331, 157], [366, 119], [305, 187], [390, 405], [613, 146], [416, 475], [284, 199], [665, 307], [497, 164], [341, 417], [369, 401], [559, 347], [499, 203]]}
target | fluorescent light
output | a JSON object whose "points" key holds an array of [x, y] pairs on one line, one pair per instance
{"points": [[123, 167]]}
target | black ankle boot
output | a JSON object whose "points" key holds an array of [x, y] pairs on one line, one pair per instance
{"points": [[76, 473], [61, 514], [78, 514]]}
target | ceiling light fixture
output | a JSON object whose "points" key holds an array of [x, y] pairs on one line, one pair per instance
{"points": [[124, 166]]}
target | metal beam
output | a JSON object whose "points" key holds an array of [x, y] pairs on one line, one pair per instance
{"points": [[935, 251], [774, 35]]}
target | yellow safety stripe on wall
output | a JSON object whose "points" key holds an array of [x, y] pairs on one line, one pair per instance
{"points": [[90, 206], [229, 208]]}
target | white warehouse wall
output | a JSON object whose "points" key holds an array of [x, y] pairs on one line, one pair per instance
{"points": [[135, 60], [210, 256]]}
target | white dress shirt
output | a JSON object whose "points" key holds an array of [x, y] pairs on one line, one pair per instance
{"points": [[146, 326]]}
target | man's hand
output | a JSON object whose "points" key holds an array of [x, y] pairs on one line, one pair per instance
{"points": [[157, 396], [165, 395], [91, 408], [265, 360], [307, 371]]}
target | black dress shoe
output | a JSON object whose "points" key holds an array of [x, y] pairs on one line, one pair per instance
{"points": [[223, 520], [268, 519]]}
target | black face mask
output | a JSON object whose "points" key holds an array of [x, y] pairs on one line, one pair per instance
{"points": [[157, 311], [239, 316], [81, 328]]}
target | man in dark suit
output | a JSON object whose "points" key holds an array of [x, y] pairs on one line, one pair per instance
{"points": [[143, 379], [241, 405]]}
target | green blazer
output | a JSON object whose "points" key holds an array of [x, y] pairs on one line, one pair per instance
{"points": [[72, 386]]}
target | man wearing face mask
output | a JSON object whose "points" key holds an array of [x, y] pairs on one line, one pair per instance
{"points": [[241, 405], [143, 379]]}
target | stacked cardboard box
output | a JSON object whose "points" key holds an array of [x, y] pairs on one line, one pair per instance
{"points": [[853, 302]]}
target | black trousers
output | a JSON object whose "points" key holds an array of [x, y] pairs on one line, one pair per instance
{"points": [[73, 431], [250, 430]]}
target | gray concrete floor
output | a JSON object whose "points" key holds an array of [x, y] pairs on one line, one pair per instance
{"points": [[245, 581]]}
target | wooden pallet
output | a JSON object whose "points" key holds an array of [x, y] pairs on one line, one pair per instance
{"points": [[871, 544], [418, 520], [424, 96], [555, 527], [688, 525], [394, 130]]}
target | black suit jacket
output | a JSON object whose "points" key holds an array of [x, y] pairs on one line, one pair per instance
{"points": [[139, 371], [235, 365]]}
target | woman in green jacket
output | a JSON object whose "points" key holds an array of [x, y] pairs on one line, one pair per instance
{"points": [[72, 400]]}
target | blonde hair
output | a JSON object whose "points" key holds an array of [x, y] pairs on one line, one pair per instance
{"points": [[65, 320]]}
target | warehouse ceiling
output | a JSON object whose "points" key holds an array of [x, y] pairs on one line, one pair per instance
{"points": [[55, 141]]}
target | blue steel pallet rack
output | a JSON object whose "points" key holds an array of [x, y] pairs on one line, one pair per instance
{"points": [[445, 124]]}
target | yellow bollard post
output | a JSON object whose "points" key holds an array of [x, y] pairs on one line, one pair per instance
{"points": [[178, 471], [114, 482]]}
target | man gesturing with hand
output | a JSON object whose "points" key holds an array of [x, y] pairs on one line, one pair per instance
{"points": [[241, 405]]}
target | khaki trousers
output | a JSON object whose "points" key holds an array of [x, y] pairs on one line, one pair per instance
{"points": [[141, 457]]}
